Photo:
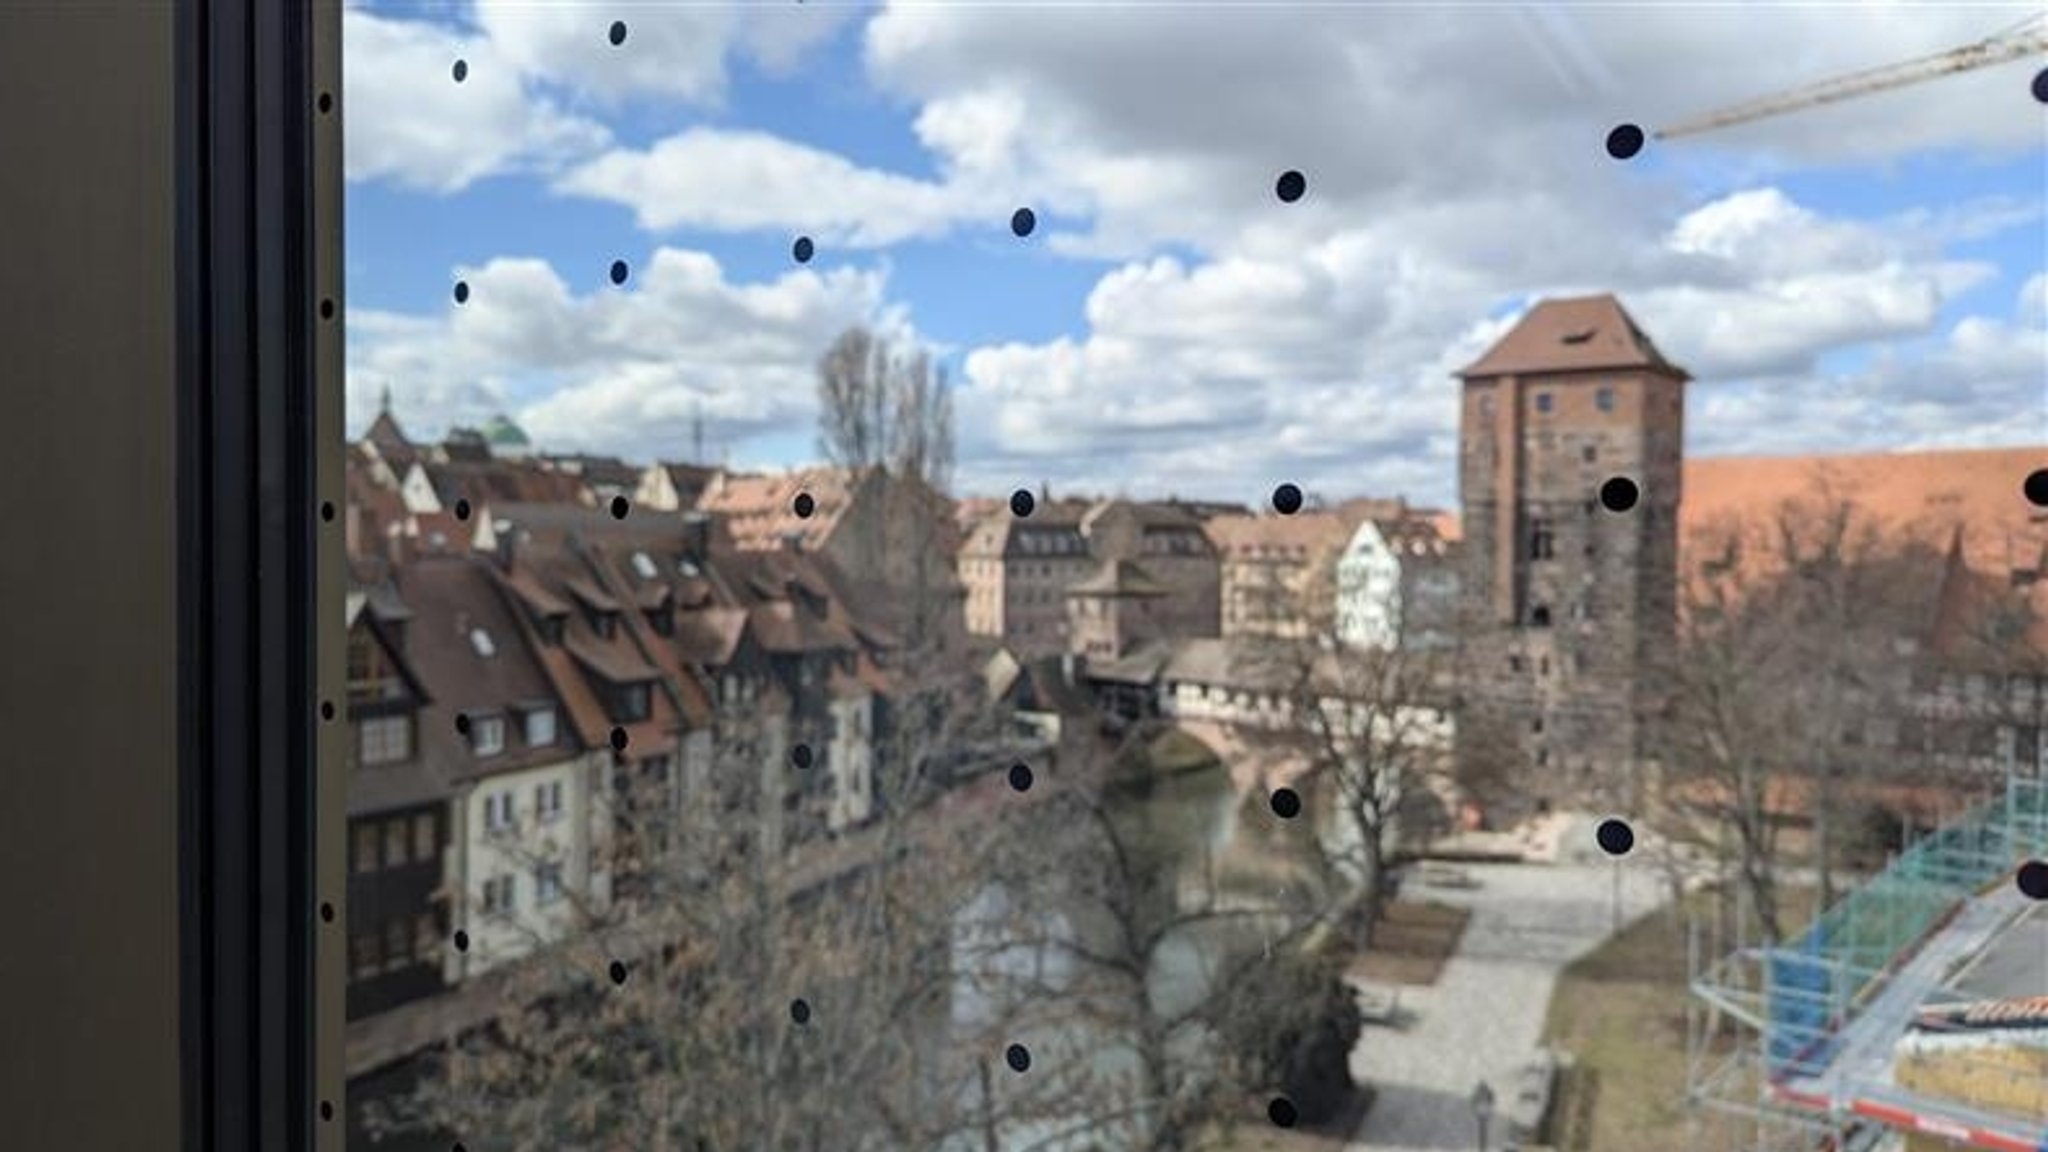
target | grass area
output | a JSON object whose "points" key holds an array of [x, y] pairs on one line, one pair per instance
{"points": [[1412, 942], [1253, 1132], [1621, 1011]]}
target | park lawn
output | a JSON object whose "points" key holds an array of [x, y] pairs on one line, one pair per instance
{"points": [[1621, 1012]]}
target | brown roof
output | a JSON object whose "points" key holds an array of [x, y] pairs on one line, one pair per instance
{"points": [[761, 509], [1575, 334], [503, 482], [1265, 536], [452, 598]]}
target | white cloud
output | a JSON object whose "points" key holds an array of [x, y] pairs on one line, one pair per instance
{"points": [[750, 181], [406, 120], [616, 370]]}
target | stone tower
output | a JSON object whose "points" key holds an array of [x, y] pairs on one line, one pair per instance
{"points": [[1569, 607]]}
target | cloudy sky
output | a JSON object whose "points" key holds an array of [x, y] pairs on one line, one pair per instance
{"points": [[1867, 275]]}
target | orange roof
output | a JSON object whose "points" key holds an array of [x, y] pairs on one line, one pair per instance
{"points": [[1576, 334], [761, 509], [1927, 496]]}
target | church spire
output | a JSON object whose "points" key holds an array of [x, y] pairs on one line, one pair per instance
{"points": [[384, 401]]}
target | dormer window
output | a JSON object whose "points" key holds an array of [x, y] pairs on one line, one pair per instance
{"points": [[540, 727], [605, 624], [487, 735], [550, 628], [630, 703], [662, 620]]}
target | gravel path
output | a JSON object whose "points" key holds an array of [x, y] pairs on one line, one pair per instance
{"points": [[1483, 1018]]}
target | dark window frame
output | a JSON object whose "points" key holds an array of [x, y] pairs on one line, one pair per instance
{"points": [[252, 590]]}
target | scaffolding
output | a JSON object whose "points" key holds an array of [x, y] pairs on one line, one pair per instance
{"points": [[1794, 1046]]}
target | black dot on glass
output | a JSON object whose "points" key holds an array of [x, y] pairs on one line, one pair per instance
{"points": [[800, 1011], [1281, 1112], [1022, 221], [1286, 803], [801, 755], [1020, 777], [619, 271], [326, 912], [804, 505], [619, 507], [2037, 487], [1290, 186], [461, 71], [1625, 141], [2041, 85], [327, 511], [618, 33], [1018, 1057], [325, 103], [462, 509], [462, 291], [803, 249], [1287, 499], [618, 972], [327, 1110], [2033, 879], [461, 940], [459, 1146], [618, 739], [327, 309], [1618, 494], [1021, 503], [462, 723], [327, 709], [1615, 837]]}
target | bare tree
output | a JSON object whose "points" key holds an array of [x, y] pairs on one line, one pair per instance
{"points": [[1794, 638]]}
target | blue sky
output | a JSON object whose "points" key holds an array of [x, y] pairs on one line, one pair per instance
{"points": [[1856, 277]]}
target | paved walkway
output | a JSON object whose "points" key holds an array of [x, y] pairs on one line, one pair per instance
{"points": [[1484, 1016]]}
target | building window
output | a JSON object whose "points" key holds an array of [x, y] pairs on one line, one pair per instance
{"points": [[551, 630], [631, 703], [1604, 399], [1514, 663], [364, 956], [606, 624], [426, 937], [1543, 401], [498, 895], [547, 883], [397, 945], [498, 811], [425, 844], [1589, 454], [547, 801], [1541, 543], [395, 842], [384, 739], [1539, 616], [540, 727], [366, 847], [487, 735]]}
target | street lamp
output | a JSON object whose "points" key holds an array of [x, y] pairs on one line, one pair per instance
{"points": [[1482, 1109]]}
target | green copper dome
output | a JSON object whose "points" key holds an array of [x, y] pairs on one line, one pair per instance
{"points": [[501, 432]]}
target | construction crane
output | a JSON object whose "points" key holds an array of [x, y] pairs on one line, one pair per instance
{"points": [[2026, 38]]}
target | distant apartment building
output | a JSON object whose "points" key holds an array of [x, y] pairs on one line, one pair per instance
{"points": [[1168, 546], [1967, 687], [1278, 576], [529, 855], [1397, 586], [398, 814], [1115, 609], [1017, 571]]}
